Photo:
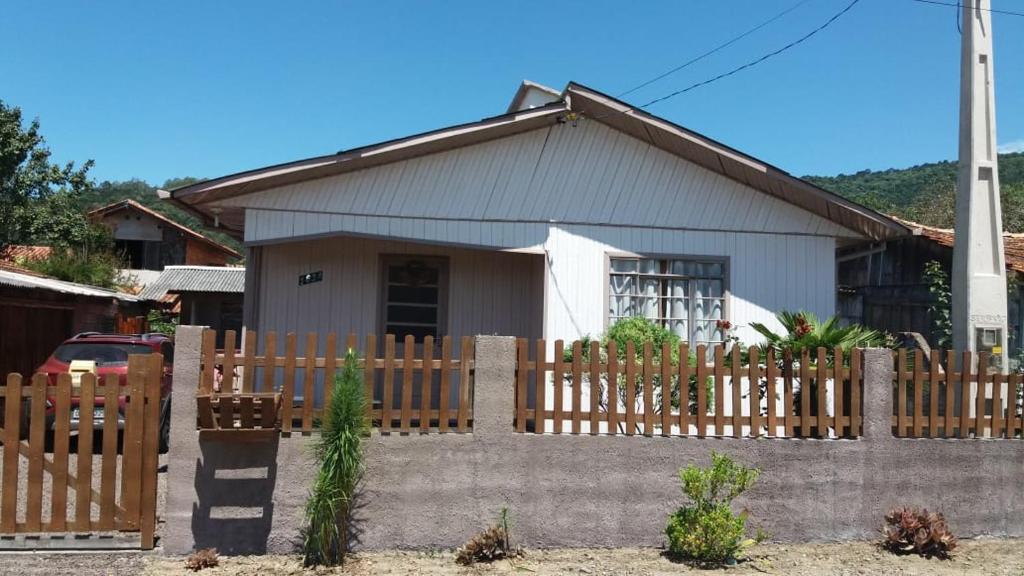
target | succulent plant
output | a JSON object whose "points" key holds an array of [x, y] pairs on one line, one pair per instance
{"points": [[492, 544], [909, 530]]}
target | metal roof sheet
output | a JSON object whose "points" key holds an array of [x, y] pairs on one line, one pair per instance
{"points": [[225, 279], [20, 280]]}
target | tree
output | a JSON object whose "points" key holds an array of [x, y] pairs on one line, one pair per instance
{"points": [[36, 195]]}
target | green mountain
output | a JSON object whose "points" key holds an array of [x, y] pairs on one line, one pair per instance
{"points": [[925, 193], [109, 192]]}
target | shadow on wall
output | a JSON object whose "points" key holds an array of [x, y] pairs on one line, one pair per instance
{"points": [[235, 488]]}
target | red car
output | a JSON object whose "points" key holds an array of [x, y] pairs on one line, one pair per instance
{"points": [[110, 353]]}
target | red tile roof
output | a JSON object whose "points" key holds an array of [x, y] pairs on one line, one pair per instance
{"points": [[1013, 244]]}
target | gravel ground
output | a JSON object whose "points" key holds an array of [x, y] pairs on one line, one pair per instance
{"points": [[990, 556]]}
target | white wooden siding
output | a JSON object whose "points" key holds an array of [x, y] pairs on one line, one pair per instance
{"points": [[589, 174], [488, 293]]}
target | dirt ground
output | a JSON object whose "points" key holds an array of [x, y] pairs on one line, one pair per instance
{"points": [[990, 556]]}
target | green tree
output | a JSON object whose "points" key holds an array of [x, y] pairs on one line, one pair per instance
{"points": [[32, 188]]}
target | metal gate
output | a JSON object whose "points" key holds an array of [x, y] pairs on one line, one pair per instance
{"points": [[101, 494]]}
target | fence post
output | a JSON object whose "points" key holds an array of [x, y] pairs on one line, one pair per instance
{"points": [[494, 385], [183, 451], [877, 394]]}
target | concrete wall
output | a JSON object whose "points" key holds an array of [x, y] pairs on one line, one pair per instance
{"points": [[434, 491]]}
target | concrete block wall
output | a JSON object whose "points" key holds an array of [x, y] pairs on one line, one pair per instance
{"points": [[435, 491]]}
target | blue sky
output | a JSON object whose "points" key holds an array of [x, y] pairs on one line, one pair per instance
{"points": [[157, 90]]}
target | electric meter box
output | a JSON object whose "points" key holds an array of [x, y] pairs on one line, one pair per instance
{"points": [[990, 340]]}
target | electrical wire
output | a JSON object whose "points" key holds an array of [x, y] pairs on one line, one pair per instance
{"points": [[958, 5], [715, 49], [753, 63]]}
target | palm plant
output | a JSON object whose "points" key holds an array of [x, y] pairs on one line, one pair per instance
{"points": [[339, 455], [803, 330]]}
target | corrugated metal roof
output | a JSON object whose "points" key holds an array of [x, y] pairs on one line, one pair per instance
{"points": [[20, 280], [226, 279]]}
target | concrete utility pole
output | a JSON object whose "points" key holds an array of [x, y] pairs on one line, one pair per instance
{"points": [[979, 266]]}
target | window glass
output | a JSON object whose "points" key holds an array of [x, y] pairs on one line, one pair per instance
{"points": [[104, 354], [686, 296]]}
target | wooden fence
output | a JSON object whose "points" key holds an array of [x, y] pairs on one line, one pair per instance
{"points": [[423, 389], [806, 396], [116, 494], [933, 399]]}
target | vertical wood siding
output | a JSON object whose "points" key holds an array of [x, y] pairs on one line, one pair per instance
{"points": [[590, 174]]}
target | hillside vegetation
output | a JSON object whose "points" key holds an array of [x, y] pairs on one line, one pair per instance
{"points": [[925, 193]]}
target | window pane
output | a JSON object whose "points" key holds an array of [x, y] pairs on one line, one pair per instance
{"points": [[648, 307], [412, 295], [418, 332], [622, 306], [678, 327], [649, 267], [649, 287], [708, 288], [622, 285], [707, 309], [398, 314], [623, 265], [678, 308]]}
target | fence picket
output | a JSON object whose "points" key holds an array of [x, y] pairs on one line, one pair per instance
{"points": [[36, 442], [426, 383], [249, 360], [684, 389], [702, 391], [131, 462], [408, 356], [209, 351], [227, 383], [666, 389], [934, 378], [309, 383], [1012, 421], [331, 365], [737, 391], [787, 399], [719, 390], [918, 421], [522, 358], [952, 377], [755, 392], [12, 460], [465, 383], [822, 383], [389, 383], [805, 393], [630, 406], [61, 442], [648, 392], [595, 386], [269, 362], [108, 474], [979, 411], [288, 387], [577, 385], [901, 393], [540, 385], [83, 484], [965, 396], [856, 381], [838, 392], [997, 405], [150, 446], [558, 378], [370, 372], [445, 391]]}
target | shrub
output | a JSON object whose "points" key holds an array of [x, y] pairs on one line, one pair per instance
{"points": [[909, 530], [339, 455], [201, 559], [707, 531], [492, 544]]}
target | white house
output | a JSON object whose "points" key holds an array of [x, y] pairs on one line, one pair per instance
{"points": [[551, 220]]}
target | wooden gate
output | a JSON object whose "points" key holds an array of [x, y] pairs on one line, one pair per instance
{"points": [[104, 491]]}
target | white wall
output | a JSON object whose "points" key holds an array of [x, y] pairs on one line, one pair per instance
{"points": [[130, 225]]}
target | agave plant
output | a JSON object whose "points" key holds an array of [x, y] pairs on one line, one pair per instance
{"points": [[803, 330], [910, 530]]}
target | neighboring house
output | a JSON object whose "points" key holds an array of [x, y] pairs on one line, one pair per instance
{"points": [[882, 285], [38, 313], [204, 295], [150, 241], [17, 254], [552, 220]]}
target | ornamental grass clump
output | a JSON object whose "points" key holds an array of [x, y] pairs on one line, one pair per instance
{"points": [[339, 456], [909, 530], [707, 532]]}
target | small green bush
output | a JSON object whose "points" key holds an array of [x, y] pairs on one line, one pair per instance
{"points": [[707, 532], [339, 455]]}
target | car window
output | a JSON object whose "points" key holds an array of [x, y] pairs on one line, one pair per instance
{"points": [[167, 349], [104, 354]]}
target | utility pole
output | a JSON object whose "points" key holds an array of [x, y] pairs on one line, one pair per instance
{"points": [[979, 266]]}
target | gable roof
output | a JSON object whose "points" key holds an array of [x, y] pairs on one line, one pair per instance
{"points": [[1013, 244], [129, 204], [577, 99], [174, 279]]}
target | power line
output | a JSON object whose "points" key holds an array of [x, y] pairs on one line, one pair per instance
{"points": [[754, 62], [715, 49], [992, 10]]}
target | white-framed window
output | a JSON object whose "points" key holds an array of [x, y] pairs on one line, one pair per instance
{"points": [[685, 295]]}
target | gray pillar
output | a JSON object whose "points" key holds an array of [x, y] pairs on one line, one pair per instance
{"points": [[877, 394], [494, 385], [183, 452]]}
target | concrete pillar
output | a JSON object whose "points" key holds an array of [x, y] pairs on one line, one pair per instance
{"points": [[494, 385], [877, 395], [183, 452]]}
